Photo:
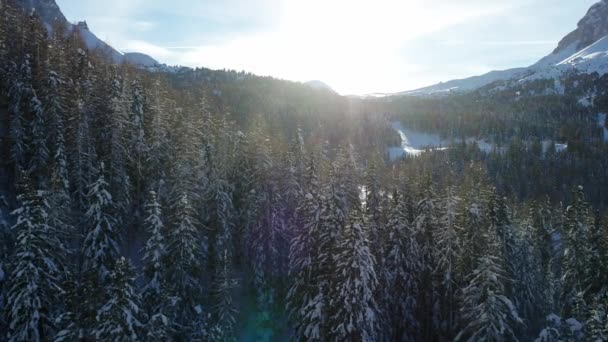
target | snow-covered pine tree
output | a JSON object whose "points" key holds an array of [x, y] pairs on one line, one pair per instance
{"points": [[472, 227], [38, 144], [596, 325], [540, 221], [17, 124], [6, 247], [117, 152], [354, 314], [224, 307], [154, 294], [306, 303], [80, 138], [137, 146], [446, 251], [597, 265], [269, 249], [136, 123], [575, 277], [528, 295], [425, 228], [399, 288], [347, 175], [54, 108], [374, 200], [498, 216], [100, 248], [185, 257], [119, 318], [37, 270], [486, 313], [157, 138]]}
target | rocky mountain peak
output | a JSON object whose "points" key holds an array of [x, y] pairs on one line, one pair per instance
{"points": [[591, 28], [48, 10], [83, 25]]}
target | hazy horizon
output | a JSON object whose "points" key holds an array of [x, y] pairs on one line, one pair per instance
{"points": [[356, 47]]}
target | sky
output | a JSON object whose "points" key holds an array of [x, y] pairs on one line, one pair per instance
{"points": [[354, 46]]}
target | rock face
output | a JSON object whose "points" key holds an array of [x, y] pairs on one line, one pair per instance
{"points": [[591, 28], [140, 59], [49, 12]]}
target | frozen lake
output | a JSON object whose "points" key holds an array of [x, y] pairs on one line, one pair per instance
{"points": [[413, 142]]}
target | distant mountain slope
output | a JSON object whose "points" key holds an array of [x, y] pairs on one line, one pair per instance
{"points": [[49, 12], [319, 85], [467, 84], [583, 50]]}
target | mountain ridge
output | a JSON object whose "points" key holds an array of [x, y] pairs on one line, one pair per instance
{"points": [[571, 54], [50, 13]]}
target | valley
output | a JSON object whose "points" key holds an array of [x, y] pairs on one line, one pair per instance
{"points": [[147, 202]]}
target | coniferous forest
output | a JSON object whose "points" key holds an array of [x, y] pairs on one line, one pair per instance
{"points": [[201, 205]]}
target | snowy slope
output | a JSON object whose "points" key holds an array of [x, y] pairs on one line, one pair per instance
{"points": [[584, 50], [468, 84], [593, 58]]}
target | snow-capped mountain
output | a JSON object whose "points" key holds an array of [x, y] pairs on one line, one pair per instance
{"points": [[49, 12], [584, 50]]}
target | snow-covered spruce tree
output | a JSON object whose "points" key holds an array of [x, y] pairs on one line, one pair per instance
{"points": [[269, 251], [541, 227], [446, 251], [136, 126], [498, 215], [354, 314], [473, 226], [596, 325], [375, 203], [528, 295], [486, 313], [575, 277], [119, 319], [154, 251], [224, 307], [80, 139], [6, 247], [398, 284], [56, 113], [137, 145], [17, 124], [185, 257], [100, 248], [157, 139], [597, 265], [154, 292], [39, 144], [37, 270], [116, 152], [306, 303], [425, 228], [99, 252], [347, 175]]}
